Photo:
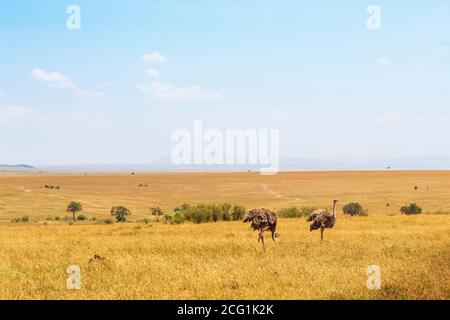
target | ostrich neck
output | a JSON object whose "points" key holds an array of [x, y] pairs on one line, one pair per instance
{"points": [[334, 210]]}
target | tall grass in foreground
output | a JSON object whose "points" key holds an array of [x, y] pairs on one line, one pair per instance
{"points": [[220, 260]]}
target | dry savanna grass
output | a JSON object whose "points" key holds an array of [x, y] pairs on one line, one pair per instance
{"points": [[221, 260]]}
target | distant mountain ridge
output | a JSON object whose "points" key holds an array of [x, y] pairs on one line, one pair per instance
{"points": [[165, 164], [16, 167]]}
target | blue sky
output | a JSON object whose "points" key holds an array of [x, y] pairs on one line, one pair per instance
{"points": [[113, 91]]}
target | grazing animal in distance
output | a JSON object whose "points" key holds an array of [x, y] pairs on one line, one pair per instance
{"points": [[322, 219], [262, 220]]}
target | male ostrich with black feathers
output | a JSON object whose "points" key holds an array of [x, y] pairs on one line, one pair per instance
{"points": [[322, 219], [263, 220]]}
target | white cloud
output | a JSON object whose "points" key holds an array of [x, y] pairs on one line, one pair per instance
{"points": [[153, 73], [14, 113], [155, 57], [59, 80], [168, 91], [383, 61]]}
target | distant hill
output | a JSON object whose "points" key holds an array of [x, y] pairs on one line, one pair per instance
{"points": [[16, 167]]}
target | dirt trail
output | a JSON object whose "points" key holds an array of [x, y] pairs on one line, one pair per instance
{"points": [[275, 194]]}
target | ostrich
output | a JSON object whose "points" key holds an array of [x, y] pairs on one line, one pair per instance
{"points": [[263, 220], [322, 219]]}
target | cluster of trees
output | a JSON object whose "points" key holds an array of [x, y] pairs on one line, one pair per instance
{"points": [[352, 209], [196, 213], [294, 212], [208, 213], [218, 212]]}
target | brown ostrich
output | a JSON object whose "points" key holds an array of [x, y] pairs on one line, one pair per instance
{"points": [[322, 219], [263, 220]]}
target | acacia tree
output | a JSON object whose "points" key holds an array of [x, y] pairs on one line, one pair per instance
{"points": [[120, 212], [74, 207], [411, 209], [354, 209], [157, 212]]}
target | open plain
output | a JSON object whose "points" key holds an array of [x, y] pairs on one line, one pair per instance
{"points": [[157, 260]]}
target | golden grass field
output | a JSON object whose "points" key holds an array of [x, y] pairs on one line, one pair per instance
{"points": [[220, 260]]}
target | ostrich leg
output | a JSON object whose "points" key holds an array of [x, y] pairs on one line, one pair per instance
{"points": [[261, 236], [321, 233]]}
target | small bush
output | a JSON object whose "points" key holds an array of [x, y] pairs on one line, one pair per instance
{"points": [[238, 213], [226, 215], [306, 211], [411, 209], [25, 219], [105, 221], [292, 212], [354, 209], [167, 217], [209, 213], [15, 220], [50, 219], [82, 217], [178, 218], [57, 218]]}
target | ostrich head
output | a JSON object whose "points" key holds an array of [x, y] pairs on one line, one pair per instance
{"points": [[276, 236]]}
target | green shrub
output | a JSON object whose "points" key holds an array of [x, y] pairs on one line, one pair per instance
{"points": [[105, 221], [25, 219], [82, 217], [238, 213], [216, 213], [206, 213], [183, 207], [411, 209], [50, 218], [292, 212], [178, 218], [57, 218], [226, 215], [306, 211], [354, 209]]}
